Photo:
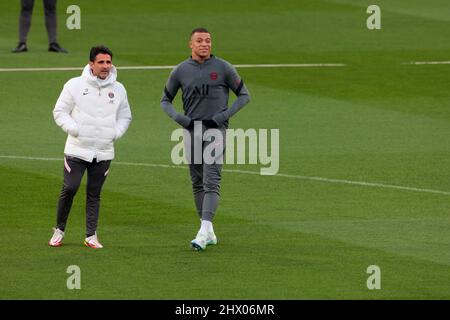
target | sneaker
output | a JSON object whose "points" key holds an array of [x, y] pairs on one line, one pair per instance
{"points": [[92, 242], [199, 243], [211, 239], [21, 47], [55, 47], [56, 240]]}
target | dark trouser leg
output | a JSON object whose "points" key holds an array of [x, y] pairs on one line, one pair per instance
{"points": [[73, 173], [211, 185], [196, 171], [97, 172], [50, 19], [25, 19], [212, 175]]}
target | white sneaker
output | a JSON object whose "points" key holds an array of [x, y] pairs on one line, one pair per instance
{"points": [[56, 240], [92, 242], [211, 239], [199, 243]]}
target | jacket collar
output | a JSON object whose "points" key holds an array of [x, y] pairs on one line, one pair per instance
{"points": [[97, 82], [211, 57]]}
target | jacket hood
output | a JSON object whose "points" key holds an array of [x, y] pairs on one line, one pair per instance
{"points": [[97, 82]]}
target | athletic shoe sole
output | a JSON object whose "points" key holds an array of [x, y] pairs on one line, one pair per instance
{"points": [[196, 246], [91, 246], [55, 245]]}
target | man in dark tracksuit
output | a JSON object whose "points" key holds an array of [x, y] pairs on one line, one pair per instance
{"points": [[205, 81], [50, 24]]}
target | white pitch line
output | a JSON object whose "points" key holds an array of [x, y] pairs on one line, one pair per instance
{"points": [[321, 179], [30, 158], [282, 65], [279, 65], [295, 65], [427, 62], [39, 69], [367, 184]]}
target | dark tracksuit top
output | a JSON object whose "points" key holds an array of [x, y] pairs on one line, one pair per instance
{"points": [[205, 88]]}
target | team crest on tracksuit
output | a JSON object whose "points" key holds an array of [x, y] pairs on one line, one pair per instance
{"points": [[111, 96], [213, 75]]}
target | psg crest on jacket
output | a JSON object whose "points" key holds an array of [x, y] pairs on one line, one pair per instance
{"points": [[213, 75]]}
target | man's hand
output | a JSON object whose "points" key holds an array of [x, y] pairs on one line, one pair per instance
{"points": [[206, 123], [190, 125], [221, 117], [210, 123], [73, 132], [184, 121]]}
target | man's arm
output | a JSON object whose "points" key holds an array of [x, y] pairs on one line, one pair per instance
{"points": [[123, 117], [62, 112], [170, 91], [236, 84]]}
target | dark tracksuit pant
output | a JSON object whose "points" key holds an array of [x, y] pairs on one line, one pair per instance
{"points": [[25, 19], [205, 177], [74, 169]]}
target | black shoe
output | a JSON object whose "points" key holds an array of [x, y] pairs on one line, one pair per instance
{"points": [[54, 47], [21, 47]]}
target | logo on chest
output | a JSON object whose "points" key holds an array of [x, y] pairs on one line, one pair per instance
{"points": [[201, 91], [111, 97], [213, 75]]}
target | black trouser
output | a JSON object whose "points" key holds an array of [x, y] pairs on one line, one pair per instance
{"points": [[25, 19], [73, 173]]}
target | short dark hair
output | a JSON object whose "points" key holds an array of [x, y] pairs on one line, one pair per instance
{"points": [[99, 49], [200, 29]]}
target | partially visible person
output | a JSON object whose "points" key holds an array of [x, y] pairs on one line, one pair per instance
{"points": [[50, 23], [205, 81], [93, 110]]}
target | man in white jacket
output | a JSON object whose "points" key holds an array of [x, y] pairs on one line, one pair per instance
{"points": [[93, 110]]}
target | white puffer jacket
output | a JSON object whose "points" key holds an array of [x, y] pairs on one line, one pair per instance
{"points": [[94, 113]]}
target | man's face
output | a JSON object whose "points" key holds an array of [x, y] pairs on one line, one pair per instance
{"points": [[101, 66], [200, 44]]}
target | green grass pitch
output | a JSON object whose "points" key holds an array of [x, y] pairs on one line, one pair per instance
{"points": [[376, 120]]}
